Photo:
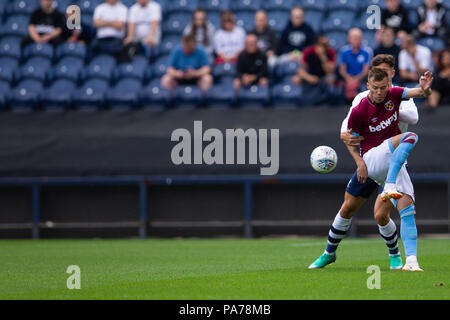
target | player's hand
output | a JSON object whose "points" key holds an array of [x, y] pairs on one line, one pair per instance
{"points": [[349, 139], [425, 81], [362, 172]]}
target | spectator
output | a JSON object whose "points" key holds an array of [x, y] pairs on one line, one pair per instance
{"points": [[46, 25], [431, 20], [296, 36], [251, 65], [144, 19], [388, 46], [441, 83], [110, 20], [267, 37], [229, 40], [317, 72], [413, 60], [188, 64], [396, 17], [202, 29], [77, 34], [354, 60]]}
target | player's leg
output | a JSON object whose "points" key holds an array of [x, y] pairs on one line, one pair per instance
{"points": [[388, 231], [401, 146]]}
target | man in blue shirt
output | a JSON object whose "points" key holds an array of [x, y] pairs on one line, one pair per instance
{"points": [[188, 64], [354, 60]]}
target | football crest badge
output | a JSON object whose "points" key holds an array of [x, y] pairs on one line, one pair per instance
{"points": [[389, 105]]}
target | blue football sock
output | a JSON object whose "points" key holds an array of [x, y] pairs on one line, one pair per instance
{"points": [[399, 156], [408, 230]]}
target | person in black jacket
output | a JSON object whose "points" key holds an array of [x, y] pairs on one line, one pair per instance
{"points": [[251, 65], [267, 37], [431, 20], [396, 17]]}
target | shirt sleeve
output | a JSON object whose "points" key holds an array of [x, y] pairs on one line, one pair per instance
{"points": [[355, 102], [132, 15], [408, 112], [354, 122]]}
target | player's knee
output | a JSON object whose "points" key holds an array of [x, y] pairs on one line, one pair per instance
{"points": [[348, 209], [410, 137], [381, 218]]}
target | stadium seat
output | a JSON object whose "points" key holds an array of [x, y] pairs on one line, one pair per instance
{"points": [[433, 43], [168, 43], [366, 3], [25, 96], [176, 22], [286, 94], [4, 89], [34, 68], [38, 50], [153, 95], [88, 6], [413, 18], [320, 5], [338, 21], [254, 96], [187, 95], [24, 7], [71, 49], [337, 39], [412, 4], [350, 5], [62, 5], [245, 5], [245, 19], [128, 3], [277, 19], [101, 66], [183, 6], [16, 25], [278, 4], [160, 66], [135, 69], [215, 5], [221, 94], [287, 69], [214, 18], [7, 68], [67, 68], [10, 47], [369, 39], [124, 94], [90, 96], [315, 19], [58, 96], [224, 70]]}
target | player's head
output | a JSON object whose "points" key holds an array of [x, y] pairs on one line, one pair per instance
{"points": [[378, 84], [385, 62]]}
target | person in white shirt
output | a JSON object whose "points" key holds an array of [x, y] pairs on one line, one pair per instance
{"points": [[413, 60], [109, 19], [229, 40], [144, 19]]}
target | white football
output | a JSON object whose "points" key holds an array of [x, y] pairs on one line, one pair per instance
{"points": [[323, 159]]}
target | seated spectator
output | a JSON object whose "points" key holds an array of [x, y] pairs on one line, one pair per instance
{"points": [[110, 20], [188, 64], [251, 65], [413, 60], [77, 34], [317, 72], [144, 18], [388, 46], [354, 60], [202, 29], [396, 17], [432, 21], [46, 25], [229, 40], [296, 36], [267, 37], [441, 82]]}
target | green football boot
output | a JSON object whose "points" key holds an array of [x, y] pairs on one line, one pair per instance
{"points": [[395, 262], [323, 260]]}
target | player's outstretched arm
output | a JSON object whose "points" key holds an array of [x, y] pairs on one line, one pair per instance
{"points": [[425, 87], [356, 155]]}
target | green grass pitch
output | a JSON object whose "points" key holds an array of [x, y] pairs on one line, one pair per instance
{"points": [[203, 269]]}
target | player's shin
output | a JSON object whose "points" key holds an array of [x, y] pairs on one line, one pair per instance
{"points": [[338, 231], [408, 231], [389, 234], [400, 154]]}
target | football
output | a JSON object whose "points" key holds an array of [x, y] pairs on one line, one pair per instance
{"points": [[323, 159]]}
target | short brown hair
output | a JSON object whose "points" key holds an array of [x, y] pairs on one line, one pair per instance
{"points": [[377, 74], [187, 38], [383, 58]]}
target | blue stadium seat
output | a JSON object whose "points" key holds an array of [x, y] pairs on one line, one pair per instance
{"points": [[34, 68], [58, 96], [67, 68], [10, 47], [245, 5], [287, 69], [160, 66], [366, 3], [189, 95], [153, 95], [7, 68], [413, 18], [71, 49], [135, 69], [337, 39], [221, 94], [224, 70], [350, 5], [16, 25], [25, 96], [38, 50], [214, 18], [125, 93], [88, 22], [90, 95], [245, 19], [101, 66], [277, 19], [88, 6], [4, 89], [338, 21], [320, 5], [24, 7], [369, 39], [413, 4], [182, 5], [433, 43], [215, 5], [128, 3], [278, 4], [286, 94], [176, 22], [62, 5], [315, 19], [168, 43], [254, 96]]}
